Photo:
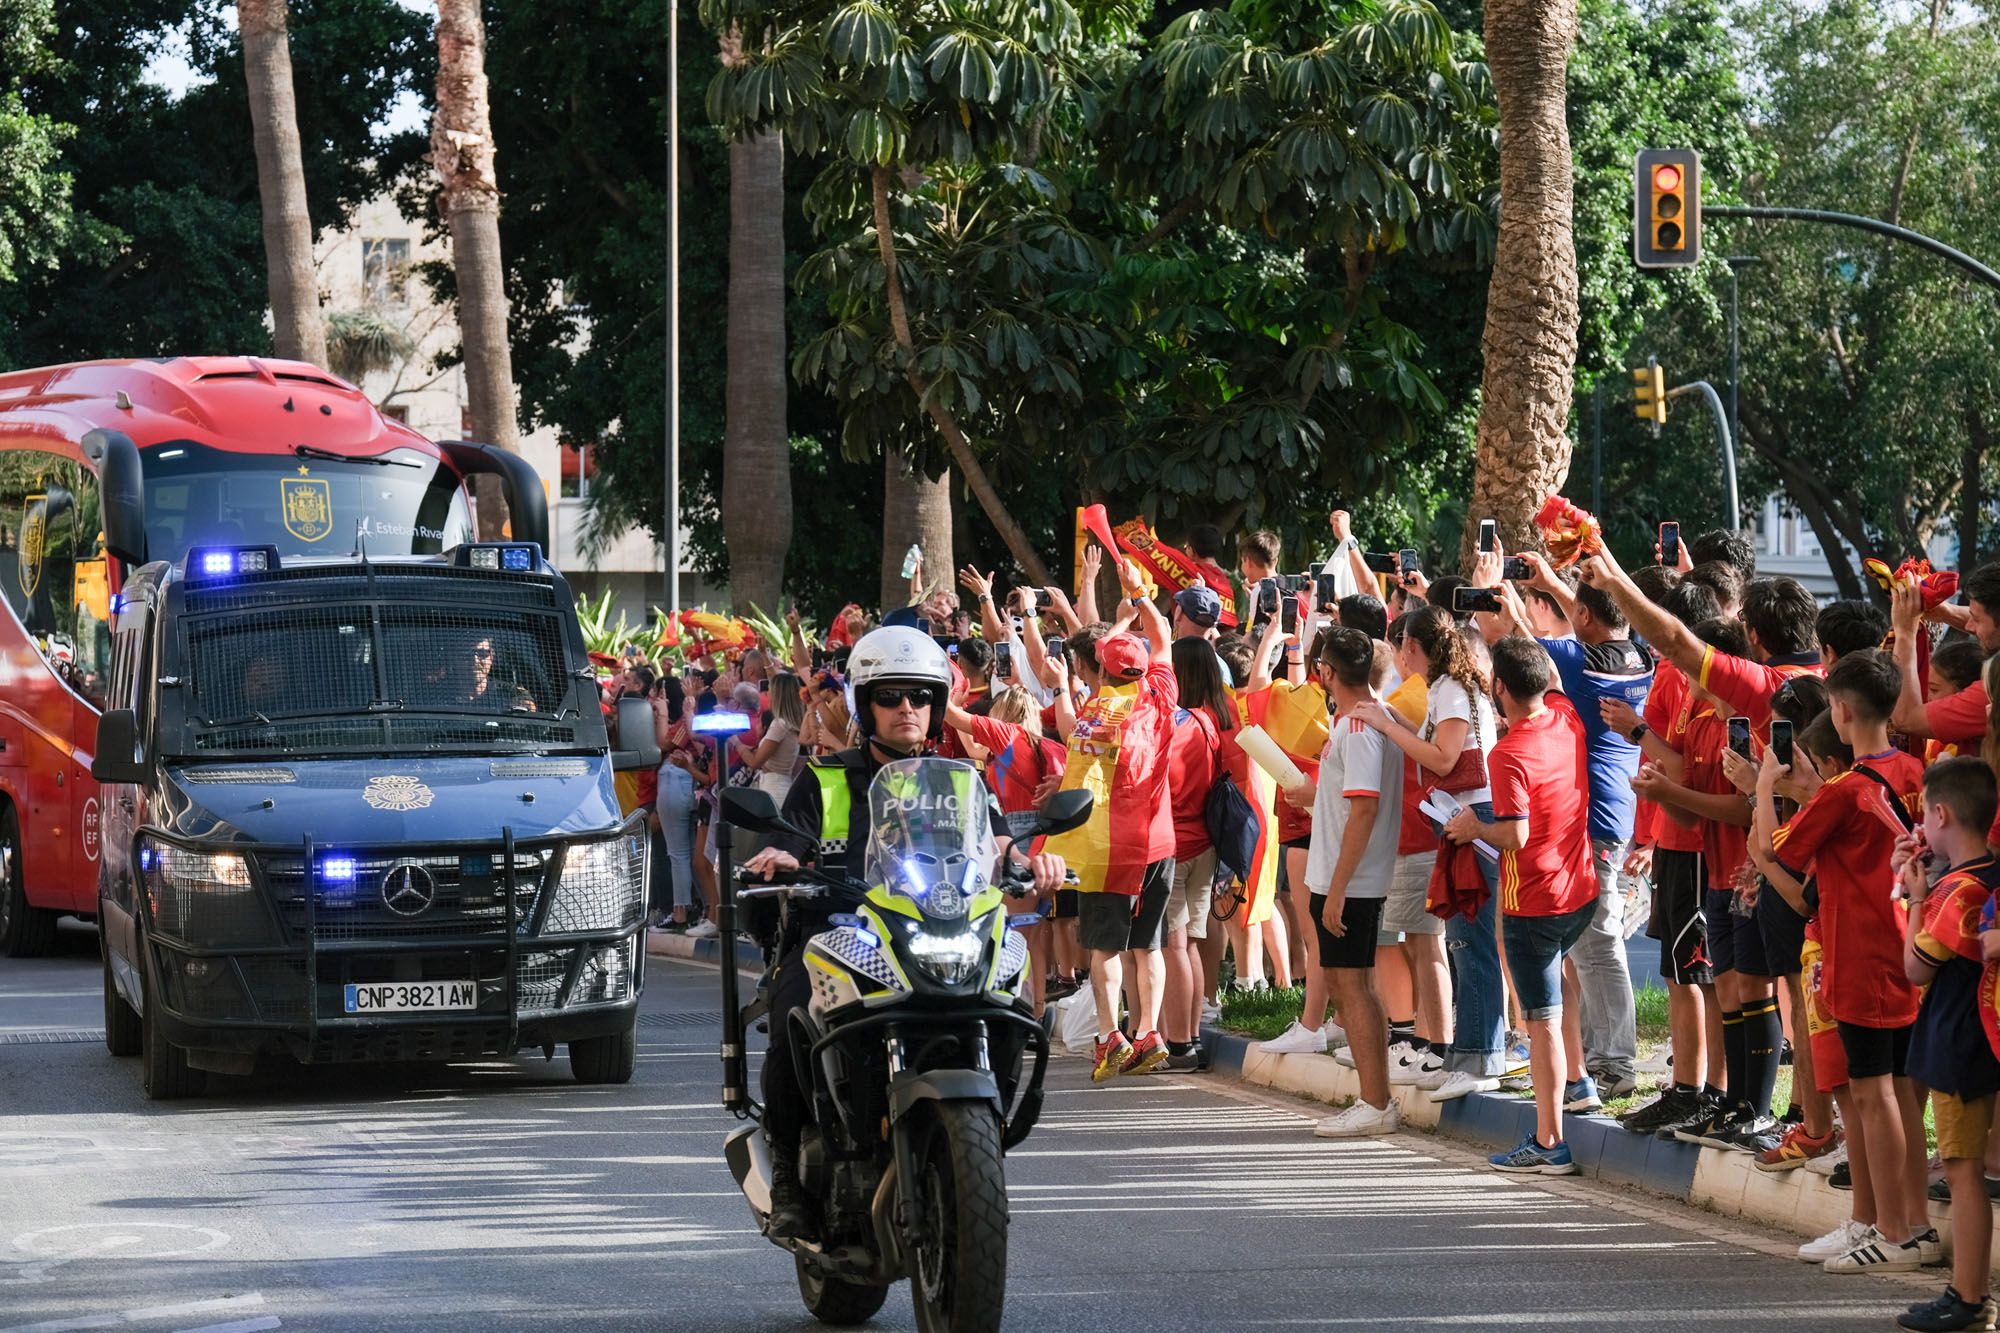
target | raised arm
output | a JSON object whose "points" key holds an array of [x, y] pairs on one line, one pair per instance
{"points": [[1906, 609], [1668, 637], [981, 586], [1152, 624], [1086, 597]]}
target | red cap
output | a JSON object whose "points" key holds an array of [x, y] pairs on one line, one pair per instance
{"points": [[1123, 655]]}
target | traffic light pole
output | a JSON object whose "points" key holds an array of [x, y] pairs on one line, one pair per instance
{"points": [[1880, 228], [1714, 400]]}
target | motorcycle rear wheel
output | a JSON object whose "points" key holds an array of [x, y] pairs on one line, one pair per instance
{"points": [[834, 1300], [959, 1281]]}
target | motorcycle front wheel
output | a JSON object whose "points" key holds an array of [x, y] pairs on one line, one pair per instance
{"points": [[960, 1277], [834, 1300]]}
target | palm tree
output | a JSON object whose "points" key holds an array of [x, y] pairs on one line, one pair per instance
{"points": [[281, 181], [756, 458], [359, 342], [1529, 346], [914, 509], [469, 198]]}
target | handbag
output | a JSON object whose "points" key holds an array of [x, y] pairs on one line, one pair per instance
{"points": [[1469, 773]]}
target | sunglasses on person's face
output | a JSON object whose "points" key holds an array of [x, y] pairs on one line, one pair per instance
{"points": [[482, 654], [897, 698]]}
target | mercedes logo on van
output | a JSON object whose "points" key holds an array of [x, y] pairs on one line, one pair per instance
{"points": [[408, 889]]}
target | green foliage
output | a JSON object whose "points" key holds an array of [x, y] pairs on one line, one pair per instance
{"points": [[34, 190], [166, 254]]}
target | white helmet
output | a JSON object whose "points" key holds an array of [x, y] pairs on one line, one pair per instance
{"points": [[897, 655]]}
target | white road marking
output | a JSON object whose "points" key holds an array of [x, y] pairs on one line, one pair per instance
{"points": [[221, 1305], [240, 1326]]}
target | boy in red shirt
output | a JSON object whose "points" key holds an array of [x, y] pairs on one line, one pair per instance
{"points": [[1949, 1052], [1844, 837], [1548, 889]]}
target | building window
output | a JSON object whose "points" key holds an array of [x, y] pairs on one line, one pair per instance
{"points": [[385, 270]]}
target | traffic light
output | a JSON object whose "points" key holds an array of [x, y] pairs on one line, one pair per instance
{"points": [[1649, 393], [1666, 221]]}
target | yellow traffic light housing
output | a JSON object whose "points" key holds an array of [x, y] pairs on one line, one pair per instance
{"points": [[1649, 393], [1667, 208]]}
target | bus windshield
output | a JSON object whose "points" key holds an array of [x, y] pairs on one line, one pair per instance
{"points": [[402, 502]]}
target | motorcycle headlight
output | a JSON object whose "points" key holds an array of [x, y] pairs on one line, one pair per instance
{"points": [[603, 887], [947, 958]]}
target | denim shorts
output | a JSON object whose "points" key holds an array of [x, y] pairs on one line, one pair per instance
{"points": [[1535, 946]]}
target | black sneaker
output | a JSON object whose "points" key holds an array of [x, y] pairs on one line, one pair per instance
{"points": [[1940, 1191], [1669, 1108], [1842, 1178], [1949, 1313], [1715, 1131], [1755, 1135], [1707, 1109]]}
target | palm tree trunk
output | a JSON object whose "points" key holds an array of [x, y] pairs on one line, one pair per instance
{"points": [[914, 509], [976, 479], [1529, 345], [297, 332], [469, 197], [756, 459]]}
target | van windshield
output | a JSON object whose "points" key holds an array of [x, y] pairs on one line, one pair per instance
{"points": [[338, 675]]}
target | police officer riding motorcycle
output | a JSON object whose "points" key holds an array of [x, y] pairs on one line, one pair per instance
{"points": [[901, 681]]}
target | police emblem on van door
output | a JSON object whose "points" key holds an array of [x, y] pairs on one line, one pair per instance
{"points": [[34, 542], [308, 506], [397, 793], [408, 889]]}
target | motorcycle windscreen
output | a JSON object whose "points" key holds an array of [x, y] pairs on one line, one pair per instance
{"points": [[930, 835]]}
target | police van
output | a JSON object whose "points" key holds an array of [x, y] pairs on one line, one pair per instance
{"points": [[362, 810]]}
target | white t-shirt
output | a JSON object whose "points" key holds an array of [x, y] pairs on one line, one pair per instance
{"points": [[1357, 761], [1448, 700]]}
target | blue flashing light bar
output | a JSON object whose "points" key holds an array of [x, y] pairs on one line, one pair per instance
{"points": [[337, 870], [508, 557], [721, 723], [208, 563]]}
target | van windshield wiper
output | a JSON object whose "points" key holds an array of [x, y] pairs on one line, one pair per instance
{"points": [[380, 460]]}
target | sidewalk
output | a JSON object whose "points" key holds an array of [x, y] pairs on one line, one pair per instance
{"points": [[666, 944], [1722, 1181]]}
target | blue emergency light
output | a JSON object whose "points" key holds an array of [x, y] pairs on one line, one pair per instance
{"points": [[208, 563], [337, 870], [503, 557], [720, 723]]}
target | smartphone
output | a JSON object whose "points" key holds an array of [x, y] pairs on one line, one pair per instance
{"points": [[1295, 583], [1517, 569], [1267, 599], [1408, 563], [1032, 599], [1465, 601], [1379, 562], [1288, 614], [1003, 661], [1054, 646], [1327, 591], [1489, 535], [1670, 543], [1781, 740], [1739, 735]]}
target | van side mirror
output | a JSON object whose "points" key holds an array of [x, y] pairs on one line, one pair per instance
{"points": [[638, 742], [118, 757]]}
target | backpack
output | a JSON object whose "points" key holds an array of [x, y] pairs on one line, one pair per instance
{"points": [[1234, 825]]}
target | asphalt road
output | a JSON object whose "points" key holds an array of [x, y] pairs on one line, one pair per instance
{"points": [[503, 1196]]}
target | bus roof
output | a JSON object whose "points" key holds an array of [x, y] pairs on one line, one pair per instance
{"points": [[238, 403]]}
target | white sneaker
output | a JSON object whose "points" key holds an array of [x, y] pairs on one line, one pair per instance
{"points": [[1359, 1120], [1211, 1013], [705, 929], [1930, 1246], [1398, 1052], [1336, 1035], [1659, 1062], [1419, 1066], [1824, 1164], [1298, 1039], [1835, 1242], [1434, 1075], [1458, 1083], [1873, 1254]]}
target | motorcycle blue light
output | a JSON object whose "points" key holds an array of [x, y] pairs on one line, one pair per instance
{"points": [[720, 723]]}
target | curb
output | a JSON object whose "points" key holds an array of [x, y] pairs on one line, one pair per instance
{"points": [[1721, 1181], [666, 944]]}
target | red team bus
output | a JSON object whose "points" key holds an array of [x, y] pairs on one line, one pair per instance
{"points": [[106, 465]]}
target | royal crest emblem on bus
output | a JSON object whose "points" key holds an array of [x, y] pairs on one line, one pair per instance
{"points": [[397, 793], [308, 507], [34, 542]]}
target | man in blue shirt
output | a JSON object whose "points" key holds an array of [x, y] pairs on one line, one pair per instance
{"points": [[1600, 663]]}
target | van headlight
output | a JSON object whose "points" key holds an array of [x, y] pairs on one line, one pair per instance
{"points": [[947, 958], [603, 886]]}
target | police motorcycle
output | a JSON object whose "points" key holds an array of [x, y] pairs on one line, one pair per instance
{"points": [[919, 1049]]}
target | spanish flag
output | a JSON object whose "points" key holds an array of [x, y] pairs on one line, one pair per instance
{"points": [[1295, 717]]}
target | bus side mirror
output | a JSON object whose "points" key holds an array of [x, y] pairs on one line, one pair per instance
{"points": [[121, 477], [118, 758], [638, 742]]}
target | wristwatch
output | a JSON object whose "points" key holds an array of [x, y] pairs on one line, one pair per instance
{"points": [[1637, 733]]}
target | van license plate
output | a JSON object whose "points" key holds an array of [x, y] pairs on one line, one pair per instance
{"points": [[413, 996]]}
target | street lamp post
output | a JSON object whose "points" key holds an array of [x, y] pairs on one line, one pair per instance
{"points": [[670, 522], [1736, 264]]}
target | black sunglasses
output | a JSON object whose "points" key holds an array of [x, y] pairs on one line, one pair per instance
{"points": [[482, 653], [895, 698]]}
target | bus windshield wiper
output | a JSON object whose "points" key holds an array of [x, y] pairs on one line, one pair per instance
{"points": [[380, 460]]}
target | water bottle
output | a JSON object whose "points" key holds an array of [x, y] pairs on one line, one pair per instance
{"points": [[910, 559]]}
